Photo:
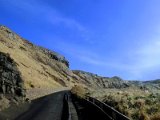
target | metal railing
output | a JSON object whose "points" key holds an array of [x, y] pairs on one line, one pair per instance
{"points": [[110, 111], [69, 111]]}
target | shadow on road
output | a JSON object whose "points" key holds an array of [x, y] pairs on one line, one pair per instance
{"points": [[45, 108]]}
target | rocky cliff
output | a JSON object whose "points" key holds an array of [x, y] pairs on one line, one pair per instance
{"points": [[10, 77], [12, 90]]}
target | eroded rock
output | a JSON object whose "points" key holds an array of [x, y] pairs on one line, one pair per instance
{"points": [[11, 82]]}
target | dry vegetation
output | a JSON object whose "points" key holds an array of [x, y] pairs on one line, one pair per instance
{"points": [[81, 91], [134, 103], [38, 70]]}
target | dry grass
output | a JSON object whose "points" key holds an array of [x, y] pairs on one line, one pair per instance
{"points": [[81, 91], [37, 69], [133, 102], [40, 72], [156, 117]]}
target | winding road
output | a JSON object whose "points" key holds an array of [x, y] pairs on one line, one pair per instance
{"points": [[66, 106]]}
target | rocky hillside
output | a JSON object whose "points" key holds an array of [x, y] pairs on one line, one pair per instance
{"points": [[10, 77], [33, 71], [39, 67], [12, 90], [94, 80]]}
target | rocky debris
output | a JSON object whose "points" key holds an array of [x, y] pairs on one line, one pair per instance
{"points": [[10, 78], [102, 82]]}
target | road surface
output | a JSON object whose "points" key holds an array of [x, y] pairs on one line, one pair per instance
{"points": [[46, 108]]}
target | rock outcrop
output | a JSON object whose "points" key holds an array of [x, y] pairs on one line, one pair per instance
{"points": [[10, 77], [54, 55]]}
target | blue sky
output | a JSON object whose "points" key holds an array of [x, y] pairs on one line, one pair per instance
{"points": [[106, 37]]}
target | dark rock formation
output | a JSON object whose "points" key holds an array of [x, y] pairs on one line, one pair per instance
{"points": [[54, 55], [10, 78]]}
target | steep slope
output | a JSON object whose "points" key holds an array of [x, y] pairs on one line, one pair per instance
{"points": [[40, 68], [11, 84]]}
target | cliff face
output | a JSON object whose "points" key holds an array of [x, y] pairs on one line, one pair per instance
{"points": [[10, 77], [12, 90]]}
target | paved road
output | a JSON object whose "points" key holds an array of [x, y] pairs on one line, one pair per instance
{"points": [[46, 108]]}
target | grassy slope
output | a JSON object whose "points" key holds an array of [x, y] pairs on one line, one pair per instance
{"points": [[38, 70]]}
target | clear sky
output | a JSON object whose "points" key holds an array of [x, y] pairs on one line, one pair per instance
{"points": [[107, 37]]}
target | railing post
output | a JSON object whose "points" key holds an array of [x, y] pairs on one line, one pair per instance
{"points": [[114, 115], [101, 105]]}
